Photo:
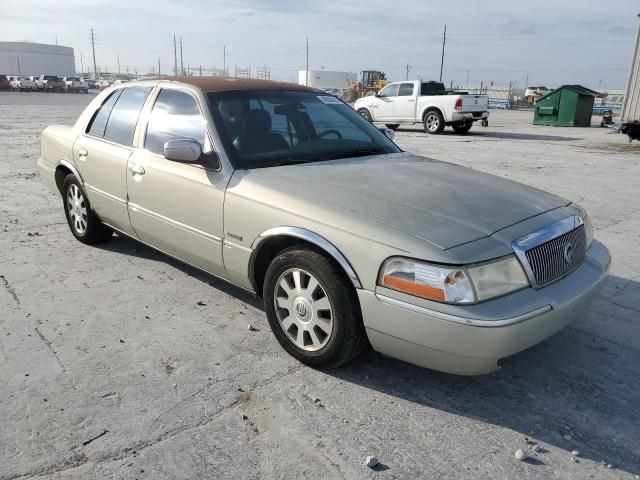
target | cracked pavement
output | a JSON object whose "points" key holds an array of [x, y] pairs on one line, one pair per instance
{"points": [[110, 367]]}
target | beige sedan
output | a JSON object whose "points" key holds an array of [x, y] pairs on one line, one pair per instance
{"points": [[287, 192]]}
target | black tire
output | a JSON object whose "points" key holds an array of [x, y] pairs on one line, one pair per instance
{"points": [[95, 231], [347, 338], [364, 113], [433, 122], [393, 126], [462, 127]]}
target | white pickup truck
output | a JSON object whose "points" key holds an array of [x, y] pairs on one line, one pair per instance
{"points": [[76, 84], [429, 103]]}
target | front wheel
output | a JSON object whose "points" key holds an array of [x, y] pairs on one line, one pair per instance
{"points": [[462, 127], [364, 113], [433, 122], [83, 222], [312, 308]]}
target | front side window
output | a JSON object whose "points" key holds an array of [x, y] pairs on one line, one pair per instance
{"points": [[389, 91], [264, 128], [175, 115], [123, 119]]}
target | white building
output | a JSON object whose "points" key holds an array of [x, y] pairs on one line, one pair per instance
{"points": [[25, 58], [322, 79]]}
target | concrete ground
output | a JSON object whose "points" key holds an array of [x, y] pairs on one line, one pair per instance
{"points": [[118, 362]]}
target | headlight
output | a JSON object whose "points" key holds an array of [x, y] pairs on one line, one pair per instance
{"points": [[452, 284], [588, 226]]}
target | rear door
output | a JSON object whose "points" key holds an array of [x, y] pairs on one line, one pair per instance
{"points": [[102, 152], [404, 105], [177, 207]]}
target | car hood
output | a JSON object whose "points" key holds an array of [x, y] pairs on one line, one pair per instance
{"points": [[439, 202]]}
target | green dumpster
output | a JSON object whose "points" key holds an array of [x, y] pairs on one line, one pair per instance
{"points": [[567, 106]]}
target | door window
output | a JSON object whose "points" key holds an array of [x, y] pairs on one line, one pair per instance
{"points": [[389, 90], [124, 116], [99, 122], [174, 115], [406, 90]]}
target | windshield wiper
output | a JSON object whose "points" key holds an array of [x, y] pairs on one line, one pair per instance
{"points": [[357, 153]]}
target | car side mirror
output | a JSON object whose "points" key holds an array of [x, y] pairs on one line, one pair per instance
{"points": [[186, 150], [388, 132]]}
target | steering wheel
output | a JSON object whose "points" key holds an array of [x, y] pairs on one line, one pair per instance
{"points": [[329, 132]]}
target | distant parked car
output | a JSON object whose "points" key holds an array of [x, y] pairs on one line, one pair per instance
{"points": [[50, 83], [4, 83], [102, 84], [22, 83], [92, 84], [75, 85]]}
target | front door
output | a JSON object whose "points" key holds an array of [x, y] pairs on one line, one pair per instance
{"points": [[381, 105], [177, 207]]}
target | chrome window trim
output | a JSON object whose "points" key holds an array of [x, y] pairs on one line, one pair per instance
{"points": [[543, 235], [310, 237], [502, 322]]}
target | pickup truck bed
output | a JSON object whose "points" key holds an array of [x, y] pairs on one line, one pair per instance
{"points": [[428, 103]]}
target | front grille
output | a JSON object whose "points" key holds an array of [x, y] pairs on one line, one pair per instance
{"points": [[555, 258]]}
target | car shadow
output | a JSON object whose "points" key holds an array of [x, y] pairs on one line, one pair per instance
{"points": [[482, 132], [580, 389], [128, 246]]}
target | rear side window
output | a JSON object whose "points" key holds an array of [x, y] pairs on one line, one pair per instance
{"points": [[174, 115], [124, 116], [406, 89], [99, 122]]}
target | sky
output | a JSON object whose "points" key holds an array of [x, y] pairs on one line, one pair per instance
{"points": [[549, 43]]}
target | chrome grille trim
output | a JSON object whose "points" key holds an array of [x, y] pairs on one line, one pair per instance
{"points": [[542, 253]]}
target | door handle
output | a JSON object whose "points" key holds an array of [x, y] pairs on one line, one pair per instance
{"points": [[82, 152], [136, 169]]}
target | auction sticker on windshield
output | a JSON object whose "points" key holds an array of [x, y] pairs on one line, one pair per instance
{"points": [[329, 100]]}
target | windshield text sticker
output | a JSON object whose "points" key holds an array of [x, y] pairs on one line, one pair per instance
{"points": [[329, 100]]}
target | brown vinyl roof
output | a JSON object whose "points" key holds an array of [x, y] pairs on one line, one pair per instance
{"points": [[226, 84]]}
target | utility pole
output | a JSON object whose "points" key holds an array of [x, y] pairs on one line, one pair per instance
{"points": [[200, 70], [526, 83], [118, 64], [444, 41], [224, 60], [20, 71], [158, 66], [81, 64], [468, 73], [175, 58], [306, 82], [408, 68], [181, 59], [93, 48]]}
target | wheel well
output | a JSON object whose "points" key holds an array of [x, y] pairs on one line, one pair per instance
{"points": [[363, 109], [270, 248], [431, 109], [61, 174]]}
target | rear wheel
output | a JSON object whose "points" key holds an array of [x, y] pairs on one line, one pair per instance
{"points": [[312, 308], [365, 114], [462, 127], [83, 222], [433, 122], [393, 126]]}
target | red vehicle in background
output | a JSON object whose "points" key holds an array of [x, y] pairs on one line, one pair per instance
{"points": [[4, 83]]}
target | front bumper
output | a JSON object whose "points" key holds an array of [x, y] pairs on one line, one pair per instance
{"points": [[473, 339], [467, 116]]}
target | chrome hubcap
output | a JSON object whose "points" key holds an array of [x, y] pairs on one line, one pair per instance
{"points": [[432, 122], [303, 309], [77, 209]]}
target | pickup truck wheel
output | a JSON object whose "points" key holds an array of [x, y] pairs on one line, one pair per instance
{"points": [[364, 113], [462, 127], [84, 224], [433, 122], [312, 308], [393, 126]]}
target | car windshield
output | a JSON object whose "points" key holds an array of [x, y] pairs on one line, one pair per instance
{"points": [[267, 128]]}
